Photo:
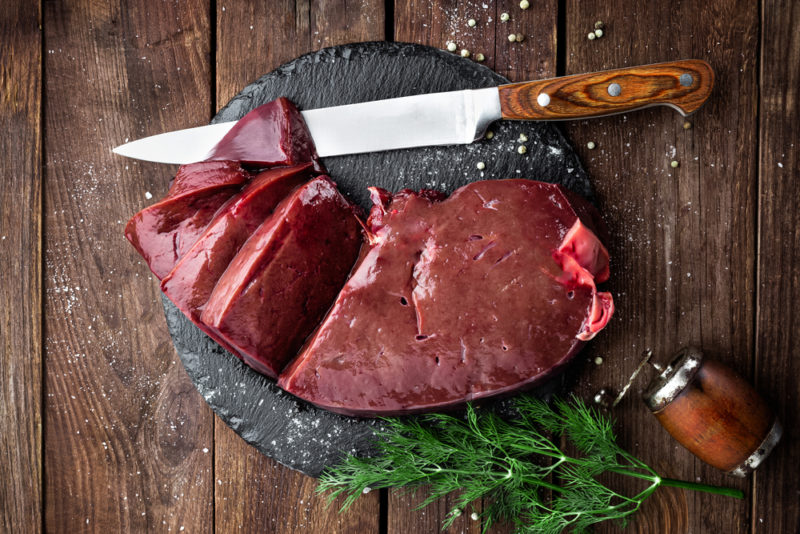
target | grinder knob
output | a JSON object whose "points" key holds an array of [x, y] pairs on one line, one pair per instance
{"points": [[712, 412]]}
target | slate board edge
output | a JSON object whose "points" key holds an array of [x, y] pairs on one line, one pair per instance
{"points": [[239, 380]]}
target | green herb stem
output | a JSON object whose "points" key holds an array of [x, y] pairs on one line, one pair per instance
{"points": [[696, 486], [508, 462]]}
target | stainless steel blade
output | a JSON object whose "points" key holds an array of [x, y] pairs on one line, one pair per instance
{"points": [[180, 146], [458, 117]]}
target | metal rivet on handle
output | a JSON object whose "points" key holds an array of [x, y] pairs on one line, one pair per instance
{"points": [[543, 99], [686, 79], [614, 89]]}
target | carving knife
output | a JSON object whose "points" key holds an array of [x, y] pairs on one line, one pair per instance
{"points": [[461, 117]]}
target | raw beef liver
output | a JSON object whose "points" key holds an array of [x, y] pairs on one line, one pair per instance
{"points": [[285, 277], [191, 281], [163, 232], [270, 135], [480, 294]]}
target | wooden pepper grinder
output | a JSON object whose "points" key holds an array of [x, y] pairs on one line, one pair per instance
{"points": [[712, 412]]}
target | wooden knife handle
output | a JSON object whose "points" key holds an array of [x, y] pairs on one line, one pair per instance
{"points": [[684, 85]]}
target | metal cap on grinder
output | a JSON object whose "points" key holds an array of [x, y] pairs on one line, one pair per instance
{"points": [[712, 412]]}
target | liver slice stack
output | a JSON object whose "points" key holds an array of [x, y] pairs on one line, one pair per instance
{"points": [[190, 283], [284, 279], [480, 294], [254, 262]]}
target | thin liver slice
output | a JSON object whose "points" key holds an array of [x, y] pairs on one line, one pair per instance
{"points": [[191, 281], [166, 230], [456, 300], [285, 277], [270, 135]]}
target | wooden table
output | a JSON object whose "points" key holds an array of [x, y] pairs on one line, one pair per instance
{"points": [[101, 429]]}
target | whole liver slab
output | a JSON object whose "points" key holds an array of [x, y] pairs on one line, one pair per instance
{"points": [[480, 294]]}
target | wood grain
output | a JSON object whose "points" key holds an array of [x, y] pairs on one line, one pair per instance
{"points": [[126, 435], [588, 95], [124, 430], [20, 256], [253, 493], [683, 248], [436, 23], [776, 483]]}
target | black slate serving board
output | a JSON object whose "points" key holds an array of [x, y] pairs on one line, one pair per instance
{"points": [[292, 432]]}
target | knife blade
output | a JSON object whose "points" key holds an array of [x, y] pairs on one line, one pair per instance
{"points": [[461, 117]]}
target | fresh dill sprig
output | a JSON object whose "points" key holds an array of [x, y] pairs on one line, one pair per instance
{"points": [[517, 464]]}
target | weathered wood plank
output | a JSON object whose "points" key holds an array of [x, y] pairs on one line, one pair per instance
{"points": [[254, 493], [435, 24], [682, 239], [20, 256], [777, 486], [127, 436]]}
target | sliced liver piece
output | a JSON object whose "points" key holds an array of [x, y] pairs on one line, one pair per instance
{"points": [[270, 135], [285, 277], [163, 232], [457, 300], [191, 281]]}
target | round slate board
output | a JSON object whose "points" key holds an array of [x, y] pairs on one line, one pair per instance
{"points": [[289, 430]]}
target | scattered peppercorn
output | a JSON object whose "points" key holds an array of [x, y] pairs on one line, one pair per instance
{"points": [[524, 4], [512, 37], [474, 516], [674, 164], [603, 398], [489, 134], [522, 149], [456, 512], [451, 46], [599, 25], [479, 57], [520, 37], [591, 36], [464, 53], [687, 125], [598, 360], [471, 23], [481, 165], [504, 17], [598, 33], [523, 138], [590, 145]]}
